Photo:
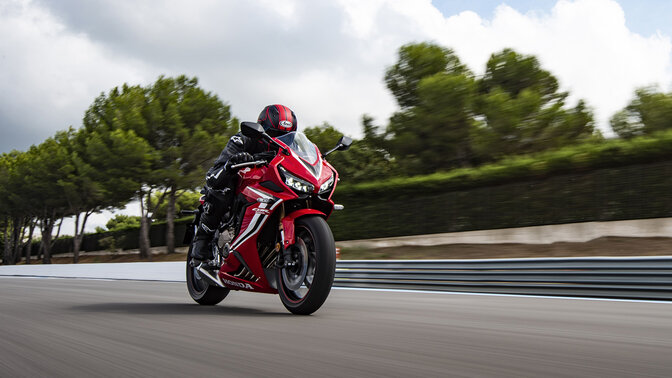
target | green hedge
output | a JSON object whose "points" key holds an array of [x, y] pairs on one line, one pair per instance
{"points": [[611, 180], [580, 158], [629, 192], [127, 238]]}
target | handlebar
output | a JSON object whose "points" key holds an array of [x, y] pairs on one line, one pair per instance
{"points": [[248, 164]]}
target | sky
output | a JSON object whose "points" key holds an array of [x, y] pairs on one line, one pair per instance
{"points": [[324, 59]]}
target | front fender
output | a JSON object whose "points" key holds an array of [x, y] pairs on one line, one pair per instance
{"points": [[288, 224]]}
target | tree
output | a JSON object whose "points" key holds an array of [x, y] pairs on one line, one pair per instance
{"points": [[30, 196], [649, 112], [122, 221], [363, 161], [417, 61], [184, 127], [577, 126], [449, 119], [49, 165], [39, 171], [513, 73], [434, 135], [325, 136], [84, 194], [105, 169], [435, 92], [8, 203], [187, 200], [194, 126], [125, 109], [19, 208], [520, 110], [4, 214]]}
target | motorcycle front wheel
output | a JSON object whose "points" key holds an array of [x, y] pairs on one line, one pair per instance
{"points": [[305, 280], [200, 290]]}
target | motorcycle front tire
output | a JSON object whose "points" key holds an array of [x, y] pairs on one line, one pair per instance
{"points": [[322, 252]]}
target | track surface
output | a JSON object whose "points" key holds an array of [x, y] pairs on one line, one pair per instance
{"points": [[62, 327]]}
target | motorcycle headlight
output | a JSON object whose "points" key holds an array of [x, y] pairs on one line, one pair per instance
{"points": [[326, 187], [296, 183]]}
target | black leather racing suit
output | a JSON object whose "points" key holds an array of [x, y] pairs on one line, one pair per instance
{"points": [[221, 182]]}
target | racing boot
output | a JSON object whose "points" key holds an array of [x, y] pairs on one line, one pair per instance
{"points": [[199, 249], [217, 202]]}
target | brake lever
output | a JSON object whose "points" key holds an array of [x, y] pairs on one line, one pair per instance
{"points": [[248, 164]]}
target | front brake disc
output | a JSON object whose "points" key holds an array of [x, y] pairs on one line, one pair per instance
{"points": [[294, 275]]}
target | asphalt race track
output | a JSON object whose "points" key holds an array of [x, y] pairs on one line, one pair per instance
{"points": [[77, 328]]}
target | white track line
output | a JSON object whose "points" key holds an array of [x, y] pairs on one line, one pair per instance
{"points": [[500, 294]]}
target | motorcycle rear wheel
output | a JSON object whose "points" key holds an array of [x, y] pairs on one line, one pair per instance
{"points": [[305, 285], [200, 290]]}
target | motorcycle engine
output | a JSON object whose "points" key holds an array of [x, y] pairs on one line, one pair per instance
{"points": [[225, 237]]}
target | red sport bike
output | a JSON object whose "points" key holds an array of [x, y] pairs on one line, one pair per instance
{"points": [[276, 239]]}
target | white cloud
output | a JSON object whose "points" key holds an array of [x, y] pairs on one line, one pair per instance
{"points": [[318, 56], [585, 43], [49, 74]]}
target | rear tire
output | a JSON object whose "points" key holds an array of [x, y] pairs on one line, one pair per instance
{"points": [[314, 240], [200, 290]]}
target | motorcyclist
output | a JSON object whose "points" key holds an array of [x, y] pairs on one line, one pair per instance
{"points": [[221, 179]]}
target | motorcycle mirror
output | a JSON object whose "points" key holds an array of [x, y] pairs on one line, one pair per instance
{"points": [[343, 144], [256, 131], [252, 130]]}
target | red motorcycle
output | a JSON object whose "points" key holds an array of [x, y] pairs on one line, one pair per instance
{"points": [[276, 239]]}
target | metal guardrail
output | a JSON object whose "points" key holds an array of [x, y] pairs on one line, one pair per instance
{"points": [[607, 277]]}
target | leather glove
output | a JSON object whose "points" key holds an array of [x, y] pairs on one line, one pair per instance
{"points": [[241, 157]]}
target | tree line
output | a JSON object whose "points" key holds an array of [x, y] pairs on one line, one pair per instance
{"points": [[154, 143], [134, 142]]}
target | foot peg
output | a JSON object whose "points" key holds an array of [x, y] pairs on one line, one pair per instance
{"points": [[205, 264]]}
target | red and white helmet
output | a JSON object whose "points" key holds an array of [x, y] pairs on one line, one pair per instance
{"points": [[277, 120]]}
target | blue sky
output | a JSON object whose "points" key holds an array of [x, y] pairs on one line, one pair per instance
{"points": [[645, 17]]}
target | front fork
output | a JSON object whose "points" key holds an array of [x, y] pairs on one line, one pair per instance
{"points": [[287, 233]]}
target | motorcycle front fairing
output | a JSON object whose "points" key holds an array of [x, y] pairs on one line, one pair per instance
{"points": [[275, 196]]}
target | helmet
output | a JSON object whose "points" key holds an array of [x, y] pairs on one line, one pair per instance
{"points": [[277, 120]]}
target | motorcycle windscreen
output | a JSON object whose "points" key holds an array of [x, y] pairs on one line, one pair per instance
{"points": [[301, 145]]}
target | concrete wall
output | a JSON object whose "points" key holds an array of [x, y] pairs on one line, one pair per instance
{"points": [[572, 232]]}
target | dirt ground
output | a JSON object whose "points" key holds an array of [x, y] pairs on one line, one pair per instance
{"points": [[606, 246]]}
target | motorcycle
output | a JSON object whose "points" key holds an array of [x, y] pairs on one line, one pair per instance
{"points": [[276, 239]]}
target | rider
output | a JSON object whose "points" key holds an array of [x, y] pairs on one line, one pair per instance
{"points": [[221, 179]]}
